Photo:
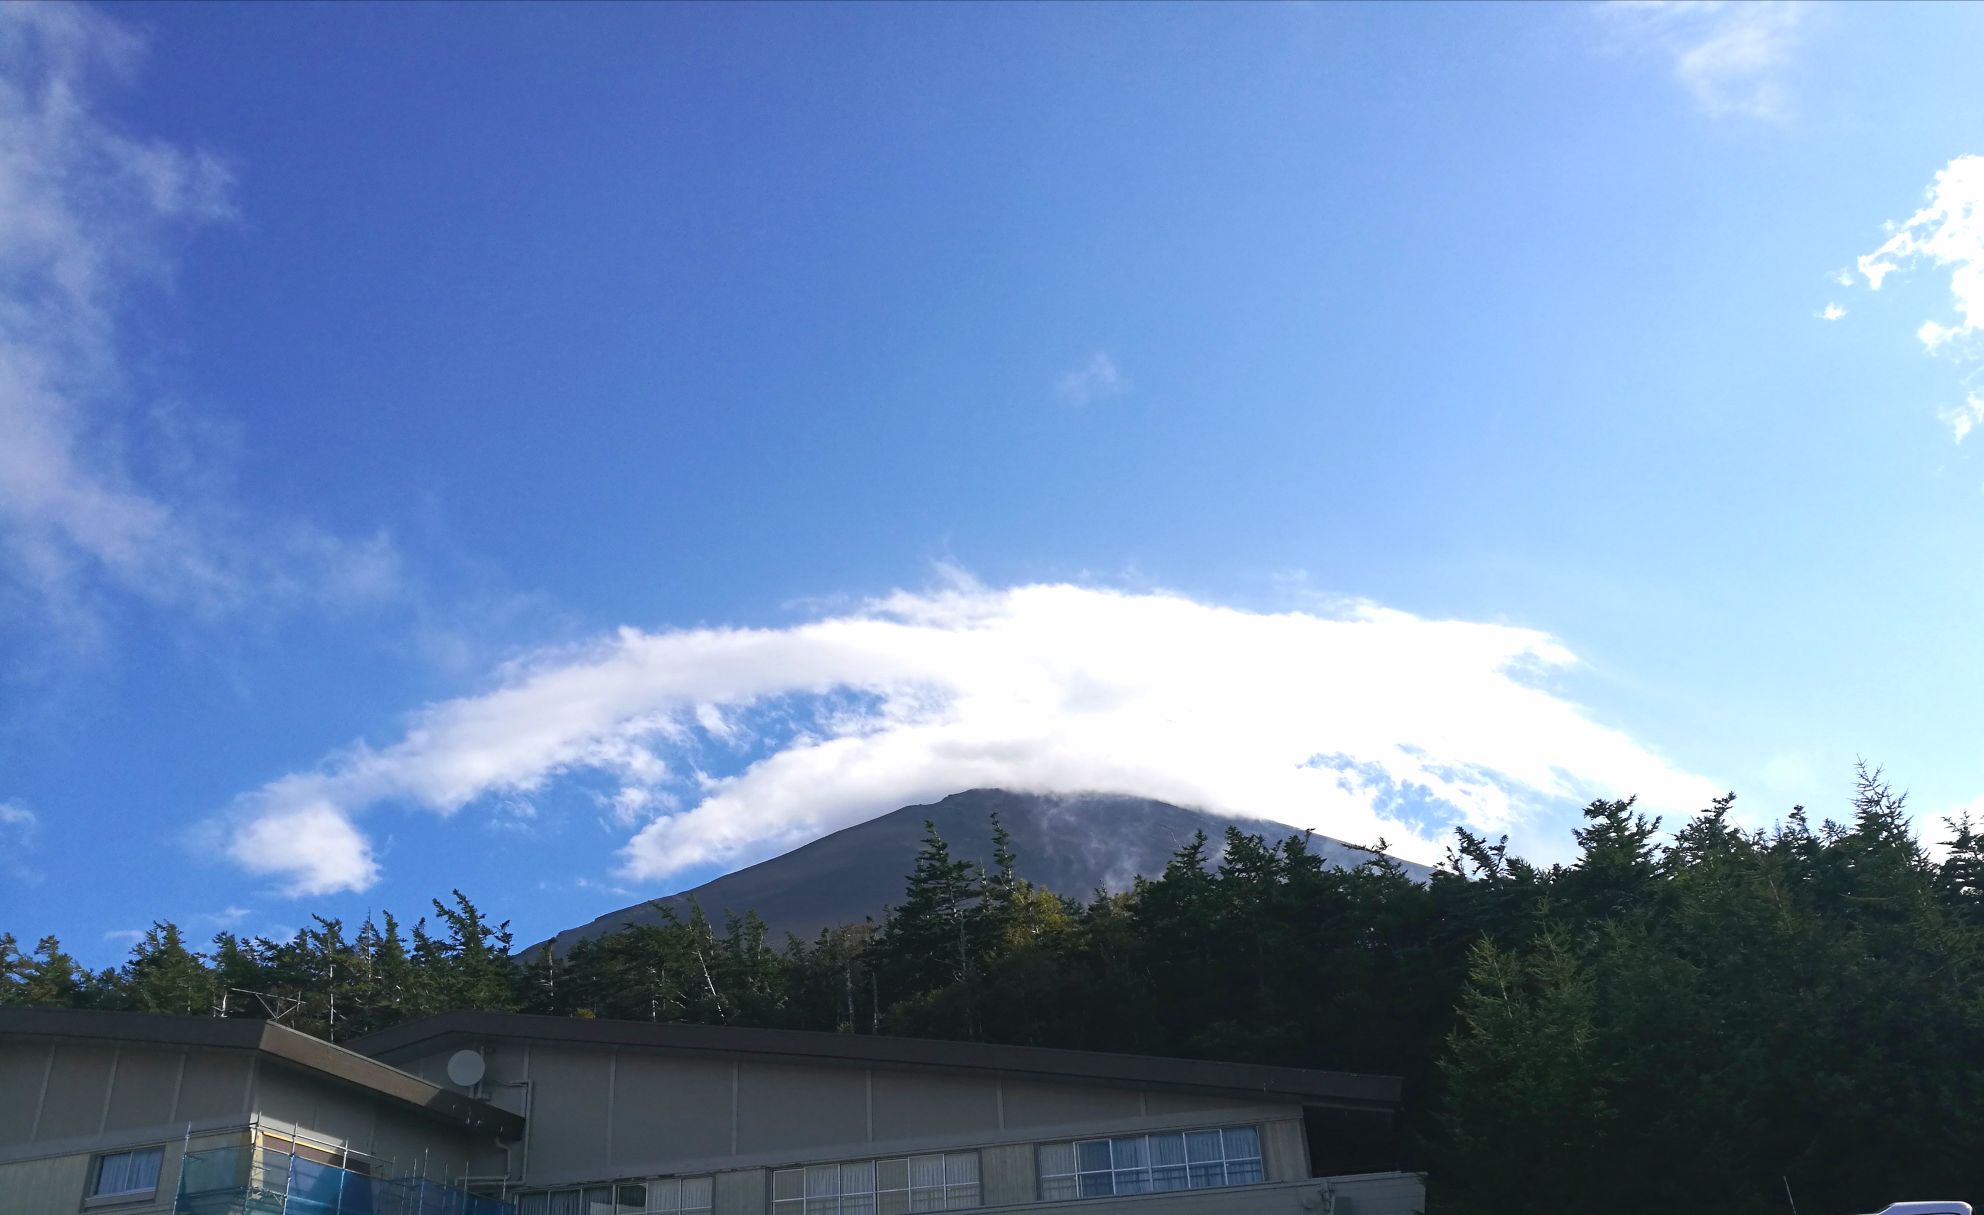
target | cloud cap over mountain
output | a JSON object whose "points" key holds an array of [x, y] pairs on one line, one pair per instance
{"points": [[715, 747]]}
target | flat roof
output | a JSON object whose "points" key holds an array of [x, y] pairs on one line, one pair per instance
{"points": [[1341, 1090], [267, 1039]]}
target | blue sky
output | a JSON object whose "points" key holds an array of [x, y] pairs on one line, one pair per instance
{"points": [[565, 452]]}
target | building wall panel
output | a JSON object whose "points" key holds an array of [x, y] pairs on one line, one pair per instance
{"points": [[669, 1110], [343, 1115], [569, 1109], [286, 1098], [215, 1086], [52, 1185], [143, 1093], [22, 1067], [909, 1105], [1030, 1103], [414, 1143], [37, 1187], [801, 1110], [1160, 1101], [77, 1085]]}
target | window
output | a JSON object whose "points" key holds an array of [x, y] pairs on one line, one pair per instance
{"points": [[1150, 1164], [681, 1194], [127, 1174], [661, 1196], [940, 1181]]}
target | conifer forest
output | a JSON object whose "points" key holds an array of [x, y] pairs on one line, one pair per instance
{"points": [[1694, 1019]]}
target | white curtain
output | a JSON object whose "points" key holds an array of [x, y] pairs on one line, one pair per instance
{"points": [[129, 1172]]}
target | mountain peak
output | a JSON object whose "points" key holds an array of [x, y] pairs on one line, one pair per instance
{"points": [[1071, 843]]}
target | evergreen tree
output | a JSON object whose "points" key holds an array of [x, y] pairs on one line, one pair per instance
{"points": [[237, 971], [932, 942], [52, 978], [13, 971], [471, 966], [163, 976]]}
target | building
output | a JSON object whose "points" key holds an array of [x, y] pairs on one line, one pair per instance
{"points": [[484, 1114], [125, 1111]]}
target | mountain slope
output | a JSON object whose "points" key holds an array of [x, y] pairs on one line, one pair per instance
{"points": [[1070, 844]]}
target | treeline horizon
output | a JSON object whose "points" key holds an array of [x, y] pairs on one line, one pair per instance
{"points": [[1710, 1019]]}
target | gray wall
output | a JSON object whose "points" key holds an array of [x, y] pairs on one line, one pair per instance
{"points": [[601, 1113], [61, 1102], [63, 1095], [365, 1123]]}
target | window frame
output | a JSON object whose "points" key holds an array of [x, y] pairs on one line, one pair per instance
{"points": [[1132, 1158], [955, 1191], [94, 1198], [652, 1190]]}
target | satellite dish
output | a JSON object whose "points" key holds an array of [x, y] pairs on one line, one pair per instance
{"points": [[465, 1068]]}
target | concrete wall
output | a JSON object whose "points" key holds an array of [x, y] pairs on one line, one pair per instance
{"points": [[62, 1102], [599, 1114], [63, 1096], [410, 1143], [55, 1185]]}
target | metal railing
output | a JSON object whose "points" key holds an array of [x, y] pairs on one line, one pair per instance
{"points": [[256, 1181]]}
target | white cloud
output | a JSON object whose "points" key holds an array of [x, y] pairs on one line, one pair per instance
{"points": [[125, 936], [93, 216], [1730, 57], [225, 918], [1092, 381], [1948, 231], [314, 848], [1964, 418], [17, 829], [1832, 312], [1337, 721]]}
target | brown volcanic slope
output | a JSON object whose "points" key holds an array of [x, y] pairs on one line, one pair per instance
{"points": [[1070, 844]]}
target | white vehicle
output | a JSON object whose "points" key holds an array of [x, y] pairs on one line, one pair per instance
{"points": [[1925, 1208]]}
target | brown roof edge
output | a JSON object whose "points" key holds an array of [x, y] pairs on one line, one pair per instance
{"points": [[1349, 1090], [278, 1042]]}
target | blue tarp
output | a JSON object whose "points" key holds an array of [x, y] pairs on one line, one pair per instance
{"points": [[242, 1181]]}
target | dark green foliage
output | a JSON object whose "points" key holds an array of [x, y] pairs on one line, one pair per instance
{"points": [[934, 943], [1656, 1025], [163, 976]]}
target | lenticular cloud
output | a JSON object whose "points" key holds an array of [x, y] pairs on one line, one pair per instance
{"points": [[722, 746]]}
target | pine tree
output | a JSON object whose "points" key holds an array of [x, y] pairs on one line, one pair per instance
{"points": [[1619, 861], [932, 942], [471, 967], [13, 971], [51, 977], [163, 976]]}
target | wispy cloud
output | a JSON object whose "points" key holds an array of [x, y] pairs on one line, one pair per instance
{"points": [[17, 830], [1359, 722], [1964, 418], [1092, 381], [1947, 232], [1730, 56], [94, 218], [226, 917], [1832, 312]]}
